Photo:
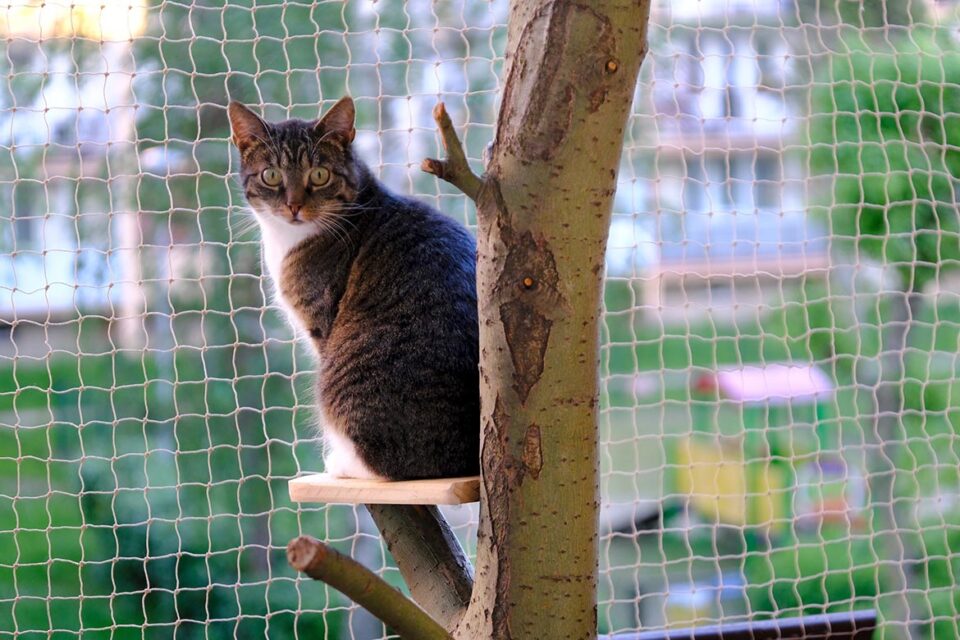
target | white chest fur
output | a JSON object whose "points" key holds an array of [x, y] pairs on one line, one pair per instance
{"points": [[277, 239]]}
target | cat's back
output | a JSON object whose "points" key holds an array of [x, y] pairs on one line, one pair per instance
{"points": [[414, 256], [401, 359]]}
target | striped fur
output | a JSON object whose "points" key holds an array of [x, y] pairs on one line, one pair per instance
{"points": [[384, 286]]}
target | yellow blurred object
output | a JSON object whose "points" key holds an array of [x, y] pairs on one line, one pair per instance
{"points": [[687, 606], [714, 478], [103, 20]]}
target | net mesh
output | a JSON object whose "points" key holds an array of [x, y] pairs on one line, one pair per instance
{"points": [[779, 405]]}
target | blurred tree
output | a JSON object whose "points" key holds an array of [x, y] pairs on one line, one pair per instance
{"points": [[864, 14], [884, 135], [884, 128]]}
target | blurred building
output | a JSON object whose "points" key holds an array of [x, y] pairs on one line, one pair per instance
{"points": [[69, 233], [710, 158]]}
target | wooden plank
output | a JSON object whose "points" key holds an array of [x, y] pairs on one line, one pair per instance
{"points": [[855, 625], [322, 487]]}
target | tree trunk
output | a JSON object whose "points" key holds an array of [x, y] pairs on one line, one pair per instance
{"points": [[543, 213]]}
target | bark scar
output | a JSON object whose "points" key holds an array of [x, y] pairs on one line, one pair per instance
{"points": [[543, 111], [499, 477], [532, 451], [529, 289]]}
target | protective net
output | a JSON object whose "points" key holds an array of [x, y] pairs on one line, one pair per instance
{"points": [[779, 405]]}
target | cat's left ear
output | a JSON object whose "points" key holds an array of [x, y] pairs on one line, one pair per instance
{"points": [[339, 120]]}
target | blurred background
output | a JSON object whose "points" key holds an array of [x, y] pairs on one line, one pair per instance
{"points": [[779, 349]]}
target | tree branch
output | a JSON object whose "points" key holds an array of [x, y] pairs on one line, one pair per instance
{"points": [[430, 558], [455, 169], [364, 587]]}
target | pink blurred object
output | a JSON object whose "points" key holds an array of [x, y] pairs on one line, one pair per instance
{"points": [[773, 383]]}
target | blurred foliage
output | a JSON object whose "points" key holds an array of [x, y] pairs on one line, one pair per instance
{"points": [[155, 496], [837, 324], [940, 544], [864, 14], [885, 138], [824, 572], [885, 130]]}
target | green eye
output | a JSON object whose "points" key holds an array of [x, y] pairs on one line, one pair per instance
{"points": [[320, 177], [271, 177]]}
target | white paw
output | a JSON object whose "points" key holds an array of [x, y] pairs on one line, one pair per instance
{"points": [[340, 458]]}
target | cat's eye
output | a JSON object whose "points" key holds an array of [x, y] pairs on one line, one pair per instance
{"points": [[271, 177], [320, 177]]}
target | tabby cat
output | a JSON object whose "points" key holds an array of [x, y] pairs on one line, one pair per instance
{"points": [[383, 285]]}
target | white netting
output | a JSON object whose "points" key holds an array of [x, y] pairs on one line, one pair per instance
{"points": [[779, 406]]}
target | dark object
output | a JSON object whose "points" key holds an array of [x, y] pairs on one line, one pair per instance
{"points": [[855, 625]]}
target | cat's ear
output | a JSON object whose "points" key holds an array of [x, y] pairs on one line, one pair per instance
{"points": [[339, 120], [248, 128]]}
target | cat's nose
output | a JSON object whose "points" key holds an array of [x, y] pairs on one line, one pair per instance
{"points": [[294, 210]]}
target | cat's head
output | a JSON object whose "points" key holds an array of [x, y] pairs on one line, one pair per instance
{"points": [[296, 170]]}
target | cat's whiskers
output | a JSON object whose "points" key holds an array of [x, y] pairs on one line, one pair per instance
{"points": [[348, 210], [339, 216], [343, 233], [242, 226], [325, 222], [327, 225]]}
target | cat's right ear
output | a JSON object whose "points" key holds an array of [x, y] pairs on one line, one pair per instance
{"points": [[248, 128]]}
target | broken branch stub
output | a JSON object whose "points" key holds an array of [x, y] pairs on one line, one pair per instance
{"points": [[324, 563], [455, 169]]}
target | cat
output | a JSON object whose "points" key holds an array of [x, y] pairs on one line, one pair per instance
{"points": [[383, 285]]}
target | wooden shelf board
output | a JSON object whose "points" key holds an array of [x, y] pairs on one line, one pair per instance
{"points": [[322, 487]]}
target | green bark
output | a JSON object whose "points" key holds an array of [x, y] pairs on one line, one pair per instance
{"points": [[543, 210], [426, 551], [364, 587]]}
